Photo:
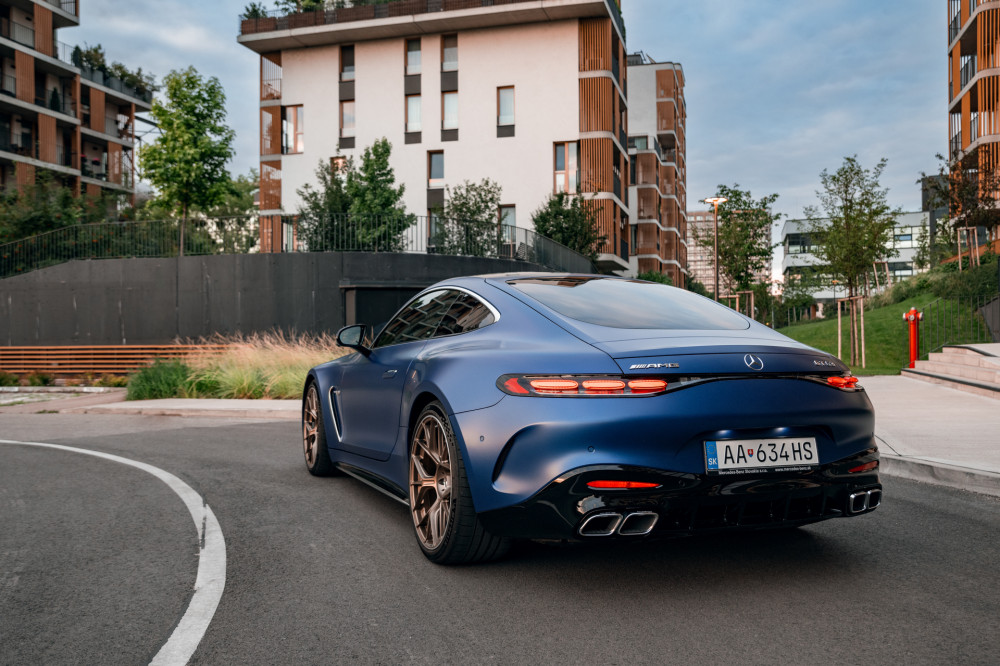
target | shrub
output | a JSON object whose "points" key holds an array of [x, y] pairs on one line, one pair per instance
{"points": [[114, 381], [8, 379], [40, 379], [163, 379]]}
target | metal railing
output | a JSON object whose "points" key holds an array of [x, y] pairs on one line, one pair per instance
{"points": [[968, 69], [959, 322], [23, 144], [953, 27], [114, 83], [241, 235], [17, 32], [8, 84], [65, 5]]}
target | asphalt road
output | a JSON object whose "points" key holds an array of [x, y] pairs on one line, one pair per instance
{"points": [[98, 561]]}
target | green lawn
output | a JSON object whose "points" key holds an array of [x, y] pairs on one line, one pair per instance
{"points": [[885, 336]]}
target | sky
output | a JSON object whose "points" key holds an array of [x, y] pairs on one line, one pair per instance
{"points": [[776, 91]]}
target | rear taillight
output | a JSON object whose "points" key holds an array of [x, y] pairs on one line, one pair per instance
{"points": [[580, 385], [868, 466], [848, 383], [622, 485]]}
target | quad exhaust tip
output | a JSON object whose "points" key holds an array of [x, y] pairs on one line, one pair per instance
{"points": [[864, 500], [637, 523]]}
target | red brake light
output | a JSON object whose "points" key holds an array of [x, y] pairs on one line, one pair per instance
{"points": [[604, 386], [647, 385], [554, 385], [842, 382], [514, 386], [621, 485], [863, 468]]}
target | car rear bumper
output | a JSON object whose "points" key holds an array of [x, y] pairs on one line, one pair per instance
{"points": [[687, 504]]}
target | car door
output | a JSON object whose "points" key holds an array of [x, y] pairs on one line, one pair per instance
{"points": [[369, 396]]}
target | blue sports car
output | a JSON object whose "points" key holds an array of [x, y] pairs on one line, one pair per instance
{"points": [[584, 407]]}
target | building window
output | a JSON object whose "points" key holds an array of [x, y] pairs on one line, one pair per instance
{"points": [[505, 105], [413, 113], [347, 118], [567, 168], [347, 63], [435, 170], [413, 56], [508, 222], [338, 167], [449, 110], [449, 53], [292, 126]]}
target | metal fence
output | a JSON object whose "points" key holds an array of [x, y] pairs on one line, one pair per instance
{"points": [[959, 322], [242, 235]]}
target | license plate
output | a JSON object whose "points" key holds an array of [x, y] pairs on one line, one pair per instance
{"points": [[770, 454]]}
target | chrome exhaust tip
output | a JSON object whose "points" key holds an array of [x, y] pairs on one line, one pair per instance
{"points": [[639, 523], [864, 500], [600, 524]]}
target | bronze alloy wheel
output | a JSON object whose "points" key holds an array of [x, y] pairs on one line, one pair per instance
{"points": [[310, 426], [430, 481]]}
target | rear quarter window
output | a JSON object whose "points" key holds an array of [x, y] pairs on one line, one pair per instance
{"points": [[619, 303]]}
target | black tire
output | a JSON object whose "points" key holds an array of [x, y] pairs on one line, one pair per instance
{"points": [[447, 528], [314, 434]]}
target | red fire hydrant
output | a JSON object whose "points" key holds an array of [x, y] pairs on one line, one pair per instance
{"points": [[914, 318]]}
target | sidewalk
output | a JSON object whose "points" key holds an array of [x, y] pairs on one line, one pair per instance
{"points": [[925, 431]]}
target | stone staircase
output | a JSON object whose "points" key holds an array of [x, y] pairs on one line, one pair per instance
{"points": [[966, 368]]}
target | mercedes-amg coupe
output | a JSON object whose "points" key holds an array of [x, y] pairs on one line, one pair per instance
{"points": [[585, 407]]}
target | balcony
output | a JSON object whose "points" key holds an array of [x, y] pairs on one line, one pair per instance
{"points": [[14, 31], [22, 144], [116, 84], [54, 101], [968, 69], [276, 30]]}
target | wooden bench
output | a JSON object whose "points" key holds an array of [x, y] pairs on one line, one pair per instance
{"points": [[93, 359]]}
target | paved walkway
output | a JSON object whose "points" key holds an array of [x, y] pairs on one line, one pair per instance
{"points": [[925, 431]]}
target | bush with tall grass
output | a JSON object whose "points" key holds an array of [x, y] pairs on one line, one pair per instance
{"points": [[163, 379], [267, 365]]}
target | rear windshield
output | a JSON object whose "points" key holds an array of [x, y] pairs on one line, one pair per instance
{"points": [[620, 303]]}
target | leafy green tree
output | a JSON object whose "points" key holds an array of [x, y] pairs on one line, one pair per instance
{"points": [[653, 276], [568, 220], [696, 287], [857, 230], [745, 247], [324, 224], [377, 210], [47, 205], [187, 162], [470, 220]]}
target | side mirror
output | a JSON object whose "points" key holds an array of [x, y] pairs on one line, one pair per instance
{"points": [[354, 338]]}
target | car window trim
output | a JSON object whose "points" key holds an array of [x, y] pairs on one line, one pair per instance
{"points": [[478, 297]]}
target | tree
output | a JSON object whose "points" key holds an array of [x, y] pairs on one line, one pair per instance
{"points": [[969, 194], [470, 220], [187, 162], [745, 246], [567, 220], [858, 227], [323, 221], [654, 276], [46, 205], [377, 211]]}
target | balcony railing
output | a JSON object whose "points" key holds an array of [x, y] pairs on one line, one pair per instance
{"points": [[21, 34], [968, 69], [955, 145], [954, 27], [22, 144], [114, 83], [8, 84], [278, 19], [68, 6], [55, 101]]}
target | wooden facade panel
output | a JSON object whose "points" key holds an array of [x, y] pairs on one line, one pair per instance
{"points": [[115, 163], [665, 116], [44, 35], [24, 174], [270, 185], [649, 203], [595, 45], [270, 233], [646, 168], [97, 109], [596, 165], [270, 130], [93, 190], [596, 105], [47, 138], [24, 65]]}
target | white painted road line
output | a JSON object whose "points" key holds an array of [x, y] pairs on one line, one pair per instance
{"points": [[211, 580]]}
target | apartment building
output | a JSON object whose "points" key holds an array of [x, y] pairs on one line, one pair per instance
{"points": [[57, 114], [799, 252], [658, 178], [701, 259], [528, 93]]}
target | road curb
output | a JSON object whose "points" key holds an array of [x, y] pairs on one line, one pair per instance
{"points": [[953, 476], [265, 414]]}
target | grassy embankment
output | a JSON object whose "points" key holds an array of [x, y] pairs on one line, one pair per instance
{"points": [[885, 336]]}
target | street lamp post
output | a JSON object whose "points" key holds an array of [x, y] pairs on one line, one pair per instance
{"points": [[715, 201]]}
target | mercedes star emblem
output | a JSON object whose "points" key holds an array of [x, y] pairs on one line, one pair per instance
{"points": [[753, 362]]}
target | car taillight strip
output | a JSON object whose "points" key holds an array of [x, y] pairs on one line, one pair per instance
{"points": [[579, 385]]}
